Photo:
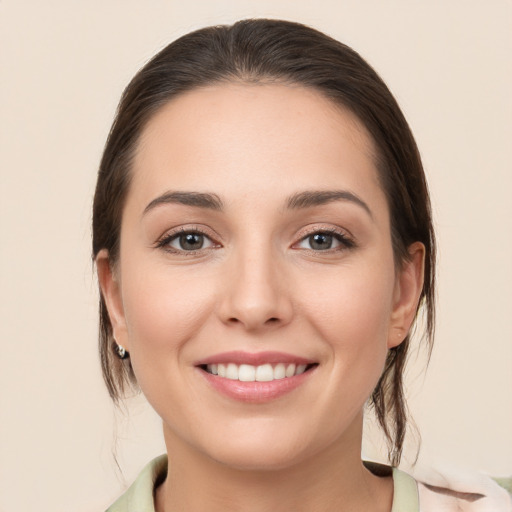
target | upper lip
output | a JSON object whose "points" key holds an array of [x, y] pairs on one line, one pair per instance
{"points": [[253, 358]]}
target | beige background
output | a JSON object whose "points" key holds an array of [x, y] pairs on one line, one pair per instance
{"points": [[63, 66]]}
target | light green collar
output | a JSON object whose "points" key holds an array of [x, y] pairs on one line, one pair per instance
{"points": [[405, 493], [139, 496]]}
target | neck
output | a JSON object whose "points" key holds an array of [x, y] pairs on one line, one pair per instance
{"points": [[334, 480]]}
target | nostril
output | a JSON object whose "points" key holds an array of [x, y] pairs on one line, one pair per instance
{"points": [[272, 320]]}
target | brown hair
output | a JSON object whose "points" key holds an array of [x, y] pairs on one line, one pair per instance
{"points": [[282, 52]]}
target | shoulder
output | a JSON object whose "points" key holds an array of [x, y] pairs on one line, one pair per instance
{"points": [[457, 490], [139, 496]]}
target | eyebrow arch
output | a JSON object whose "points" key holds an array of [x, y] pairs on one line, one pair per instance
{"points": [[310, 198], [197, 199]]}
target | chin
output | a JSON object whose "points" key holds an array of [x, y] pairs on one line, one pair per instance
{"points": [[262, 447], [258, 458]]}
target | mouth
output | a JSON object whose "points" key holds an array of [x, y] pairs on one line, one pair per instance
{"points": [[262, 373], [256, 378]]}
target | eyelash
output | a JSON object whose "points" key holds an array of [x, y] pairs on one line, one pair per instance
{"points": [[165, 241], [346, 242]]}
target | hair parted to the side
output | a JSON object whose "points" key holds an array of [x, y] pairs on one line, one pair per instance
{"points": [[274, 51]]}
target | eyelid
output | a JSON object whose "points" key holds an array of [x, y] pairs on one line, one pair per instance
{"points": [[343, 236], [171, 234]]}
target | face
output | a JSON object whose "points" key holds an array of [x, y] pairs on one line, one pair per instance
{"points": [[256, 289]]}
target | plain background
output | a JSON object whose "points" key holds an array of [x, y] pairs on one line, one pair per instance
{"points": [[63, 67]]}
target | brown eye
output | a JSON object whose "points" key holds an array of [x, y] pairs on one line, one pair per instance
{"points": [[320, 241], [325, 241], [187, 241], [191, 241]]}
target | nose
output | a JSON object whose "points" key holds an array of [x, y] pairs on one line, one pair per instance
{"points": [[256, 294]]}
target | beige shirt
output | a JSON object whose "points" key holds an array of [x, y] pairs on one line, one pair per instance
{"points": [[470, 495]]}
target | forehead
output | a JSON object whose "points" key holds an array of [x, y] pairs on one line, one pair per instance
{"points": [[261, 137]]}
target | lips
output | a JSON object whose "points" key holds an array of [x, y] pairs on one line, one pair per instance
{"points": [[262, 373], [255, 377]]}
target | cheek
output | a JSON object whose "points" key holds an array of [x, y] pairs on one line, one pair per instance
{"points": [[351, 311], [163, 309], [352, 306]]}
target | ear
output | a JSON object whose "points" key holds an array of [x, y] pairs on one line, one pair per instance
{"points": [[408, 286], [110, 287]]}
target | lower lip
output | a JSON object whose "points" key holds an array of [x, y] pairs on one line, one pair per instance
{"points": [[256, 392]]}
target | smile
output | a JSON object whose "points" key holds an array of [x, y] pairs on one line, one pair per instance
{"points": [[262, 373], [256, 377]]}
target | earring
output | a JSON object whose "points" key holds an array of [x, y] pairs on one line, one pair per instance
{"points": [[121, 352]]}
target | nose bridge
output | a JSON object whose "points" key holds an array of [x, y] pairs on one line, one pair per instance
{"points": [[255, 294]]}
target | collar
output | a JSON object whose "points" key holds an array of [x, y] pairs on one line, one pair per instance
{"points": [[140, 495]]}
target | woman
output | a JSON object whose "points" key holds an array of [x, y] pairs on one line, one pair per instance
{"points": [[263, 240]]}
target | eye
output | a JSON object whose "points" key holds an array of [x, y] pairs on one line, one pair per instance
{"points": [[325, 240], [186, 241]]}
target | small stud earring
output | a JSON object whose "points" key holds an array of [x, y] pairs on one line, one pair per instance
{"points": [[121, 352]]}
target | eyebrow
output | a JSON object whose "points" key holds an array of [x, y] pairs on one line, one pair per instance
{"points": [[310, 198], [197, 199], [300, 200]]}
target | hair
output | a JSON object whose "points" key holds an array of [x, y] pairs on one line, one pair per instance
{"points": [[282, 52]]}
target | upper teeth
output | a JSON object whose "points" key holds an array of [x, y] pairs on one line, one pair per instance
{"points": [[262, 373]]}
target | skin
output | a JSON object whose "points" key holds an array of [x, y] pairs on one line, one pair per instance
{"points": [[258, 285]]}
